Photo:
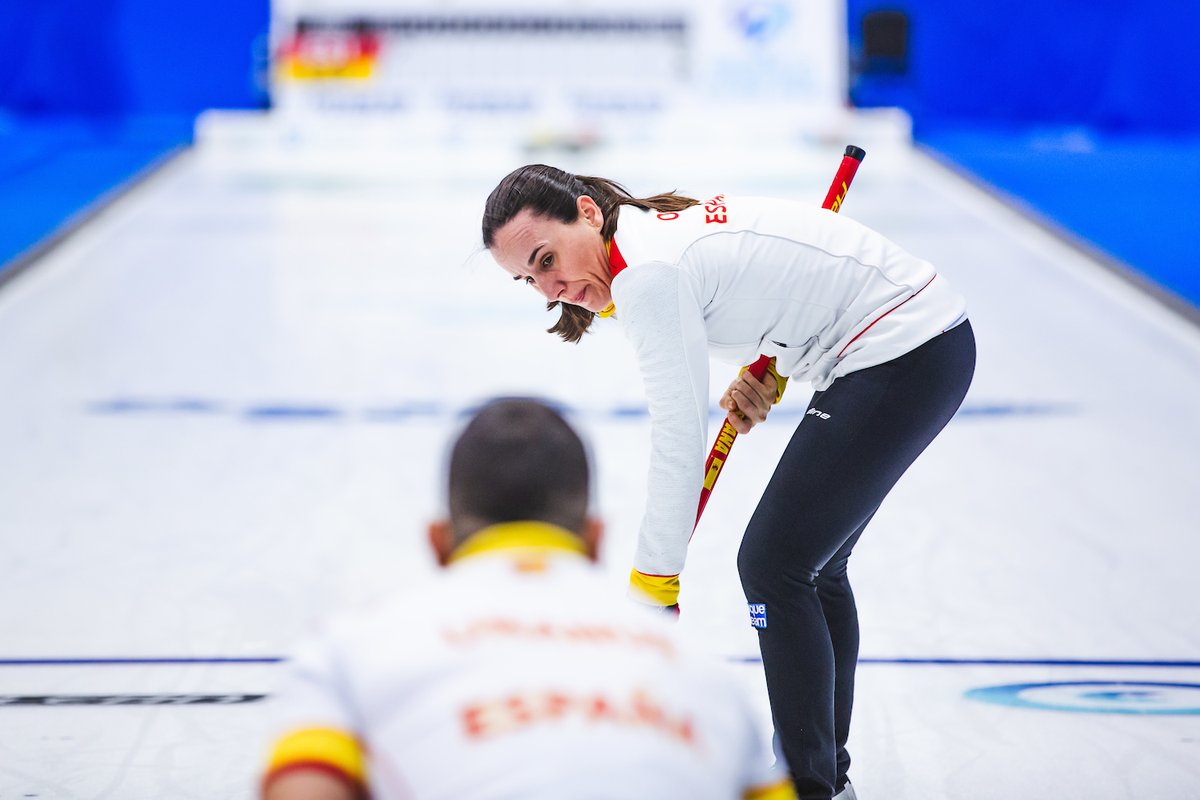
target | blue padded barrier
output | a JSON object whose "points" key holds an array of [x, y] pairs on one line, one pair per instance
{"points": [[1136, 198], [53, 170]]}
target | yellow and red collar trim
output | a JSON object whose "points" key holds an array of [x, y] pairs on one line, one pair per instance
{"points": [[616, 263], [507, 537]]}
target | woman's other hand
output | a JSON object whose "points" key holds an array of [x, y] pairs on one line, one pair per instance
{"points": [[748, 400]]}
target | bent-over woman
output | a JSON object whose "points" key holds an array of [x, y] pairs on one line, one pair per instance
{"points": [[882, 337]]}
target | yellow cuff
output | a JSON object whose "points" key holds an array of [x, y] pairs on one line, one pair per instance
{"points": [[784, 790], [661, 590], [321, 748], [780, 380]]}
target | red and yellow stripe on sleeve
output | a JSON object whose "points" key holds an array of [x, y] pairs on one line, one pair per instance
{"points": [[326, 750]]}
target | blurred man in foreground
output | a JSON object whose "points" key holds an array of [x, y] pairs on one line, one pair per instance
{"points": [[521, 672]]}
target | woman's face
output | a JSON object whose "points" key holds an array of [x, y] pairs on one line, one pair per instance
{"points": [[564, 262]]}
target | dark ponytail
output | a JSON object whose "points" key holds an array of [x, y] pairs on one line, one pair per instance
{"points": [[552, 193]]}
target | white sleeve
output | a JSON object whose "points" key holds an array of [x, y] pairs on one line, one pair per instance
{"points": [[659, 308], [313, 721], [310, 691]]}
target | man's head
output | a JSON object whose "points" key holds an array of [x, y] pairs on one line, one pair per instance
{"points": [[516, 460]]}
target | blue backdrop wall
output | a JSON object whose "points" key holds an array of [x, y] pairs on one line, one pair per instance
{"points": [[120, 57], [1112, 64]]}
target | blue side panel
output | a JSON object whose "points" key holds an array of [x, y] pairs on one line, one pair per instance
{"points": [[53, 169], [1136, 198], [93, 91]]}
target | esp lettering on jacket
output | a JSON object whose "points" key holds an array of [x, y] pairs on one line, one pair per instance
{"points": [[715, 210]]}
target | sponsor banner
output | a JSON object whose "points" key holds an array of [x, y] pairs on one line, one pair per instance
{"points": [[556, 55]]}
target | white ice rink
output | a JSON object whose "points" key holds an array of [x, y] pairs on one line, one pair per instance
{"points": [[224, 402]]}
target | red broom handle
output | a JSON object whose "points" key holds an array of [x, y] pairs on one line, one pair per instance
{"points": [[728, 434]]}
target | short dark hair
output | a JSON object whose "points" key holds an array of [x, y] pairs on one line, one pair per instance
{"points": [[517, 459]]}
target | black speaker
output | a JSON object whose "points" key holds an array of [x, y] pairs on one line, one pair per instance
{"points": [[885, 43]]}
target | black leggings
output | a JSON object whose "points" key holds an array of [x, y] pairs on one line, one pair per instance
{"points": [[857, 439]]}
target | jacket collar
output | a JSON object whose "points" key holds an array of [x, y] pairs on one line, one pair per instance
{"points": [[518, 538], [616, 263]]}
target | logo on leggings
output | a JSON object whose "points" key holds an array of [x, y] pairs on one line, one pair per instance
{"points": [[758, 615]]}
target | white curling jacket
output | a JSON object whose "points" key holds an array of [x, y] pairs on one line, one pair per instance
{"points": [[517, 674], [737, 277]]}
